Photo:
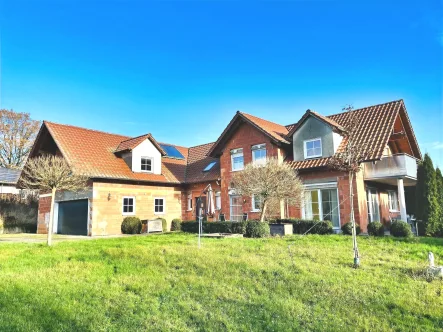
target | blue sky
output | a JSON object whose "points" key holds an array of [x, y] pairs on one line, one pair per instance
{"points": [[180, 69]]}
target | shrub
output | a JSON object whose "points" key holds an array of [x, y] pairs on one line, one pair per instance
{"points": [[257, 229], [301, 226], [376, 229], [400, 229], [176, 224], [131, 225], [164, 224], [189, 226], [347, 229]]}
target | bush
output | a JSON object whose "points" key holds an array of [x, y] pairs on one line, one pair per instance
{"points": [[376, 229], [400, 229], [347, 229], [176, 224], [131, 225], [301, 226], [164, 224], [257, 229]]}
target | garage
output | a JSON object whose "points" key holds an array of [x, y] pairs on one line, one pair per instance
{"points": [[73, 217]]}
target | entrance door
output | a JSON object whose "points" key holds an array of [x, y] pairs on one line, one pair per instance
{"points": [[236, 207], [373, 206], [73, 217], [201, 208]]}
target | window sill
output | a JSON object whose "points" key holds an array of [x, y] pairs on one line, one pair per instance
{"points": [[255, 211], [128, 214], [237, 170], [313, 157], [146, 171], [188, 210], [394, 211]]}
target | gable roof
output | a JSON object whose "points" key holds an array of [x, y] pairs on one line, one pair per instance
{"points": [[9, 176], [197, 161], [375, 126], [335, 126], [131, 143], [276, 132]]}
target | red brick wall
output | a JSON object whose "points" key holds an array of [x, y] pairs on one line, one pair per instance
{"points": [[245, 137], [196, 190]]}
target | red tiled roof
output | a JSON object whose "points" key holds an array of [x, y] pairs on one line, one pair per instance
{"points": [[197, 162], [91, 153], [276, 131], [130, 144]]}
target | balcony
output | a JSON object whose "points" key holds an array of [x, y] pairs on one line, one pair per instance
{"points": [[391, 168]]}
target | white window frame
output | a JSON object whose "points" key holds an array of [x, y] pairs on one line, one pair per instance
{"points": [[164, 205], [318, 187], [390, 201], [259, 147], [152, 164], [253, 209], [133, 206], [218, 200], [370, 205], [305, 150], [236, 153], [189, 202]]}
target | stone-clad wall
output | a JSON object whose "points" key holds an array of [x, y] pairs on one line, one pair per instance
{"points": [[107, 201]]}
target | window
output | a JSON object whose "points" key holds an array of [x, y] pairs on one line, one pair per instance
{"points": [[159, 205], [259, 154], [393, 201], [237, 159], [128, 205], [218, 200], [322, 204], [313, 148], [209, 167], [189, 202], [256, 203], [146, 165]]}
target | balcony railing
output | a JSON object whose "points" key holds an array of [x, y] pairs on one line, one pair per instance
{"points": [[399, 165]]}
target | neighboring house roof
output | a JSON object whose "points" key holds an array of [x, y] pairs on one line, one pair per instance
{"points": [[198, 161], [130, 144], [375, 126], [9, 176], [274, 131]]}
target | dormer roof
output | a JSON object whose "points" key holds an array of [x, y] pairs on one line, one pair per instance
{"points": [[131, 143]]}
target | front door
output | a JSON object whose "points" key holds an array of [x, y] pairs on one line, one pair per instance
{"points": [[236, 207], [373, 206]]}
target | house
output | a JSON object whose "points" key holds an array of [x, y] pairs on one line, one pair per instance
{"points": [[8, 181], [140, 176]]}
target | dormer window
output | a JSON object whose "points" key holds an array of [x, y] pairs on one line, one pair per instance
{"points": [[312, 148], [146, 164]]}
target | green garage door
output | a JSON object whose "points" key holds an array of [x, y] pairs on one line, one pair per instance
{"points": [[73, 217]]}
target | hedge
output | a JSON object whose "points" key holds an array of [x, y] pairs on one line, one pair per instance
{"points": [[215, 227], [176, 224], [301, 226]]}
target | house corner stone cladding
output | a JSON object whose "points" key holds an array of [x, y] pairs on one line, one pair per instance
{"points": [[244, 137], [107, 213]]}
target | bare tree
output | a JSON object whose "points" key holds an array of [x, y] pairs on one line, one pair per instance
{"points": [[17, 134], [50, 173], [350, 160], [273, 182]]}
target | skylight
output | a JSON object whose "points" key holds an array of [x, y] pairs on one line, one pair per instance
{"points": [[210, 165]]}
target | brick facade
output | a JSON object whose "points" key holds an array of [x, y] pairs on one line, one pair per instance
{"points": [[44, 208], [194, 191], [244, 137]]}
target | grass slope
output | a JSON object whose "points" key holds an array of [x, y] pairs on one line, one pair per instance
{"points": [[165, 283]]}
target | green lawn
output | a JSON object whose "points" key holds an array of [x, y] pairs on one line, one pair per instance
{"points": [[164, 282]]}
